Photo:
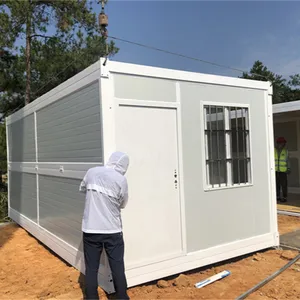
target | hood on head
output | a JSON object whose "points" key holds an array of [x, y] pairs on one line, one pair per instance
{"points": [[118, 161]]}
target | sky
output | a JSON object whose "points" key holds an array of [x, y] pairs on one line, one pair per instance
{"points": [[231, 33]]}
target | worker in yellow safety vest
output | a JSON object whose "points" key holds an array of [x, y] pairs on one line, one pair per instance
{"points": [[282, 167]]}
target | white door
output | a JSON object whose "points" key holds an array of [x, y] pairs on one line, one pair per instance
{"points": [[151, 221]]}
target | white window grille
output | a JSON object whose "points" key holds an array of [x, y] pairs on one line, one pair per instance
{"points": [[227, 152]]}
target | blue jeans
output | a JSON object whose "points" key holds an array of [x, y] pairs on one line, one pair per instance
{"points": [[113, 244]]}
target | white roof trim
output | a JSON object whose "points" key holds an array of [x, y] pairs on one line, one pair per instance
{"points": [[141, 70], [83, 78], [286, 107]]}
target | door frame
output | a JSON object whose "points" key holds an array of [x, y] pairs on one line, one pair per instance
{"points": [[177, 107]]}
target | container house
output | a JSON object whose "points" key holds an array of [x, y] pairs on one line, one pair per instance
{"points": [[201, 175]]}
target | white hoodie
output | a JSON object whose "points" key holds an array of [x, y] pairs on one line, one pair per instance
{"points": [[106, 194]]}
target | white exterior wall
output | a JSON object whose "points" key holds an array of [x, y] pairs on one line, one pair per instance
{"points": [[212, 225], [171, 223]]}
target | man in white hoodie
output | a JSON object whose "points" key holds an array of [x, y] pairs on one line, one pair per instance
{"points": [[106, 194]]}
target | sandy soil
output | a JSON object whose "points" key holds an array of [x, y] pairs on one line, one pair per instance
{"points": [[30, 271]]}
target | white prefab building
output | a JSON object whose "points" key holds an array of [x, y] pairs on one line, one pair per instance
{"points": [[287, 124], [201, 175]]}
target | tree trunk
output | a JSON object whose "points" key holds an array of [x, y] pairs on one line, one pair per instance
{"points": [[28, 58]]}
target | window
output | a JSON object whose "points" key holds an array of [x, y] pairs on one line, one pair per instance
{"points": [[227, 146]]}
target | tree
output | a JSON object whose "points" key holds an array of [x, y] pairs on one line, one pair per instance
{"points": [[283, 90], [56, 54], [294, 80], [261, 73], [12, 83], [293, 93], [10, 75], [53, 62], [73, 20]]}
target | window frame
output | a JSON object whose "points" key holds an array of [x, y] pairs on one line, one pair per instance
{"points": [[204, 141]]}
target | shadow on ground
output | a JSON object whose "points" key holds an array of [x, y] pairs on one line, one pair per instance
{"points": [[81, 282], [293, 203], [7, 231]]}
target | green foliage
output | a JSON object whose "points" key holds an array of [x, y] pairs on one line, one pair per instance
{"points": [[283, 90], [294, 80], [11, 76], [12, 82], [64, 15], [74, 40], [73, 43], [3, 207], [55, 54]]}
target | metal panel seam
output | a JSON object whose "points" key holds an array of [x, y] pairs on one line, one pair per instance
{"points": [[36, 173], [271, 168], [108, 112], [145, 103], [181, 171], [101, 116], [8, 166]]}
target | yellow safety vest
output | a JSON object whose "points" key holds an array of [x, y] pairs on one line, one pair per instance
{"points": [[281, 160]]}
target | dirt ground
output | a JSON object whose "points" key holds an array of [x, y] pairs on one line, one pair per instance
{"points": [[29, 271], [287, 224]]}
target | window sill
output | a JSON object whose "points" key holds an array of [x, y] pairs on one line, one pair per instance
{"points": [[236, 186]]}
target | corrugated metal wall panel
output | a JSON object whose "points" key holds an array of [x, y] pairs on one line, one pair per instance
{"points": [[23, 194], [22, 140], [61, 208], [70, 130]]}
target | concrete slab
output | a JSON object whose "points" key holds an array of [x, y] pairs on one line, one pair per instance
{"points": [[291, 239]]}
